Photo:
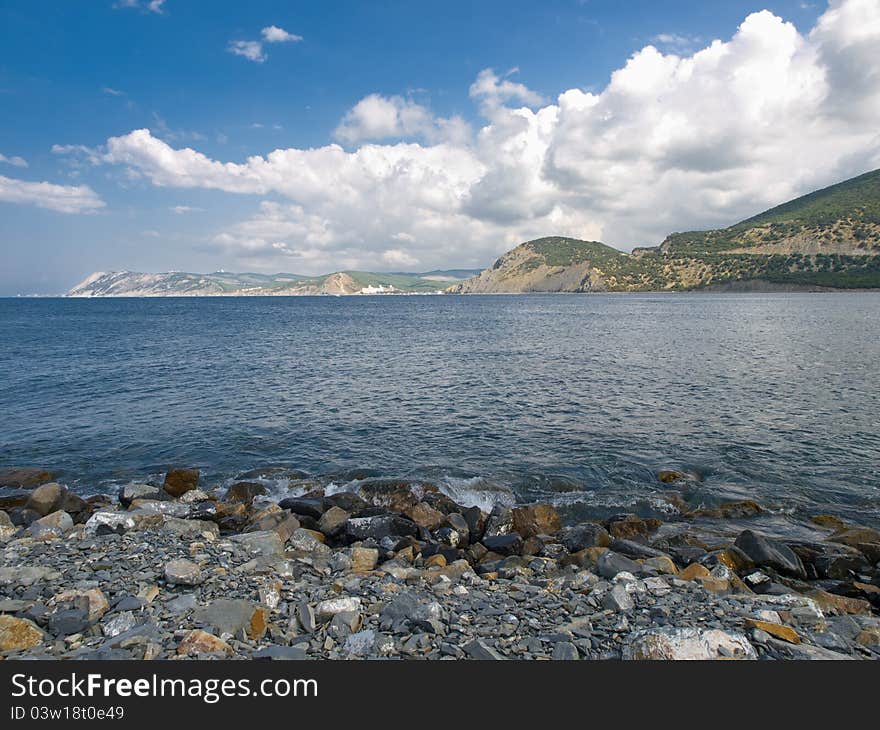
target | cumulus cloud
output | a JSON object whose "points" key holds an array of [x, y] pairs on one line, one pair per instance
{"points": [[377, 117], [61, 198], [673, 141], [251, 50], [15, 160], [274, 34]]}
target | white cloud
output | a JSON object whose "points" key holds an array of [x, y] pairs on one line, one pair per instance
{"points": [[183, 209], [251, 50], [377, 117], [15, 160], [274, 34], [150, 6], [112, 92], [672, 142], [61, 198]]}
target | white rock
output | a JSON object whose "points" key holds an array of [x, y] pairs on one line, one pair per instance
{"points": [[328, 609], [689, 645]]}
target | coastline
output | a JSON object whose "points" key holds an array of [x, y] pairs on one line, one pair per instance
{"points": [[397, 569]]}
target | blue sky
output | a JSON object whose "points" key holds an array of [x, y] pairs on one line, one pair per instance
{"points": [[452, 177]]}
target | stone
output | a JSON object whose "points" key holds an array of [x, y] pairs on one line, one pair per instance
{"points": [[585, 535], [830, 521], [44, 499], [51, 526], [326, 610], [869, 636], [66, 621], [181, 604], [500, 521], [424, 515], [618, 599], [364, 559], [305, 615], [201, 642], [688, 644], [458, 523], [180, 481], [436, 561], [395, 496], [263, 542], [18, 634], [118, 624], [26, 575], [375, 528], [183, 572], [635, 550], [306, 541], [226, 615], [281, 653], [769, 553], [130, 492], [694, 571], [332, 522], [244, 492], [480, 650], [194, 496], [7, 529], [627, 527], [313, 507], [536, 519], [190, 529], [670, 476], [786, 633], [565, 651], [662, 564], [506, 544], [98, 604], [839, 605], [609, 564], [854, 536], [361, 643]]}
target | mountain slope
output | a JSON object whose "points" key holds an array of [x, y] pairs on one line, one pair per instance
{"points": [[176, 284], [827, 239]]}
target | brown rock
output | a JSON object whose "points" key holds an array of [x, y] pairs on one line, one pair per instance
{"points": [[662, 563], [364, 559], [669, 476], [631, 526], [201, 642], [44, 499], [840, 605], [869, 636], [244, 492], [835, 523], [392, 495], [740, 510], [24, 477], [435, 561], [536, 519], [694, 571], [17, 634], [333, 521], [786, 633], [180, 481], [424, 515], [258, 625], [853, 536]]}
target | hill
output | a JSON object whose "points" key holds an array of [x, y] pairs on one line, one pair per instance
{"points": [[827, 239]]}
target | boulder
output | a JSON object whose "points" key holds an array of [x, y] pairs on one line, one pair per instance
{"points": [[676, 644], [536, 519], [617, 599], [51, 526], [131, 492], [180, 481], [24, 477], [388, 494], [326, 610], [785, 633], [627, 527], [244, 492], [44, 499], [585, 535], [332, 522], [500, 521], [609, 564], [232, 616], [768, 553], [854, 536], [506, 544], [313, 507], [263, 542], [364, 559], [201, 642], [18, 634], [379, 526], [424, 515]]}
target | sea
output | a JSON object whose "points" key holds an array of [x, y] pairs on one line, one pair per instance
{"points": [[577, 400]]}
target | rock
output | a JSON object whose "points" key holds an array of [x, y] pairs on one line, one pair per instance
{"points": [[507, 544], [67, 621], [500, 521], [281, 653], [436, 561], [769, 553], [740, 510], [181, 604], [536, 519], [313, 507], [233, 617], [786, 633], [869, 636], [617, 599], [119, 624], [332, 522], [364, 559], [834, 523], [244, 492], [97, 602], [344, 623], [326, 610], [662, 564], [636, 550], [476, 522], [24, 477], [609, 564], [51, 526], [26, 575], [854, 536], [375, 528], [585, 535], [201, 642], [307, 541], [7, 529], [565, 651], [688, 644], [389, 494], [479, 649], [458, 523], [627, 527], [183, 572], [839, 605], [670, 476], [194, 496], [360, 644], [18, 634], [305, 615], [131, 492], [424, 515], [180, 481], [263, 542], [44, 499], [449, 537], [694, 571]]}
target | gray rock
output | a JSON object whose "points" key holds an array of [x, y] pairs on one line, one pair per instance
{"points": [[181, 604], [226, 616], [635, 550], [69, 621], [281, 653], [479, 649], [375, 528], [565, 651], [119, 624], [617, 599], [583, 536], [52, 525], [611, 563], [306, 617], [46, 498], [183, 572], [263, 542], [361, 643], [768, 553]]}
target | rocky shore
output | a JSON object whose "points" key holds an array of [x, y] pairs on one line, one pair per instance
{"points": [[394, 569]]}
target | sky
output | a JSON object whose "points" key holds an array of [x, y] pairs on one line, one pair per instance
{"points": [[306, 137]]}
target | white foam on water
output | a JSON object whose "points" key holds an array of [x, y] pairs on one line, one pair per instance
{"points": [[476, 492]]}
